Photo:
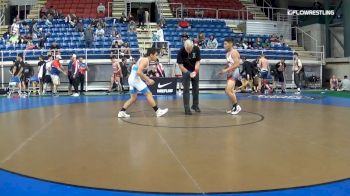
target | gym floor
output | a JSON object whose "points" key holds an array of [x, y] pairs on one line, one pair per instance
{"points": [[278, 145]]}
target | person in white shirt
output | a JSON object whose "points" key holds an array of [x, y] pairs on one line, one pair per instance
{"points": [[159, 36], [100, 32], [15, 27], [101, 8], [345, 84], [298, 70], [212, 43]]}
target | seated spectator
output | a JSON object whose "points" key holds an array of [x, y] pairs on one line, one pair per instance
{"points": [[100, 32], [199, 13], [101, 23], [126, 51], [345, 84], [212, 42], [42, 41], [115, 49], [79, 27], [26, 38], [184, 37], [123, 18], [334, 84], [55, 48], [132, 26], [6, 35], [101, 8], [201, 39], [162, 23], [71, 19], [89, 37], [31, 46], [48, 22], [14, 39]]}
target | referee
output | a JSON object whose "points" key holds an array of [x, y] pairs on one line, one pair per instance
{"points": [[188, 59]]}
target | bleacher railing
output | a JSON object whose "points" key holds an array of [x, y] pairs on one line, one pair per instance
{"points": [[306, 41], [99, 63], [3, 5]]}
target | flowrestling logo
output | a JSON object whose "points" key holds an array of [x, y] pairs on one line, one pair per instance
{"points": [[311, 12]]}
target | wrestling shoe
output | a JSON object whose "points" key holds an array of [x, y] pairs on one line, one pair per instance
{"points": [[196, 108], [161, 112], [123, 114], [236, 110]]}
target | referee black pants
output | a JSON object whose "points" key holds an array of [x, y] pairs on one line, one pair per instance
{"points": [[186, 80]]}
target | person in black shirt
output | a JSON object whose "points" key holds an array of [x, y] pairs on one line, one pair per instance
{"points": [[279, 75], [247, 74], [188, 59]]}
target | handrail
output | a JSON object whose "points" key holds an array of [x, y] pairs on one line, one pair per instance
{"points": [[109, 8], [2, 12]]}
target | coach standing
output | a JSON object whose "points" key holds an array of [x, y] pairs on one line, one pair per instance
{"points": [[188, 59]]}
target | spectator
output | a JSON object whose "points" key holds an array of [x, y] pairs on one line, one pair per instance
{"points": [[199, 13], [101, 23], [201, 39], [123, 18], [132, 25], [100, 32], [126, 51], [28, 72], [83, 68], [101, 9], [89, 37], [184, 37], [160, 69], [14, 39], [42, 41], [141, 17], [160, 42], [55, 48], [6, 35], [334, 84], [79, 27], [115, 49], [212, 42], [48, 22], [162, 23], [15, 27], [31, 46], [345, 85]]}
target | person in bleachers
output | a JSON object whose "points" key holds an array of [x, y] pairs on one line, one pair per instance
{"points": [[334, 83], [55, 48], [31, 46], [79, 27], [212, 42], [101, 9], [184, 37], [199, 13], [14, 39], [71, 19], [88, 37], [160, 42], [126, 51], [141, 17], [100, 32], [123, 18], [132, 25], [115, 49], [201, 39], [42, 40]]}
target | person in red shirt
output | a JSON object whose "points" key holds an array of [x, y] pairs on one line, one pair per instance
{"points": [[83, 68], [116, 75], [56, 69]]}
